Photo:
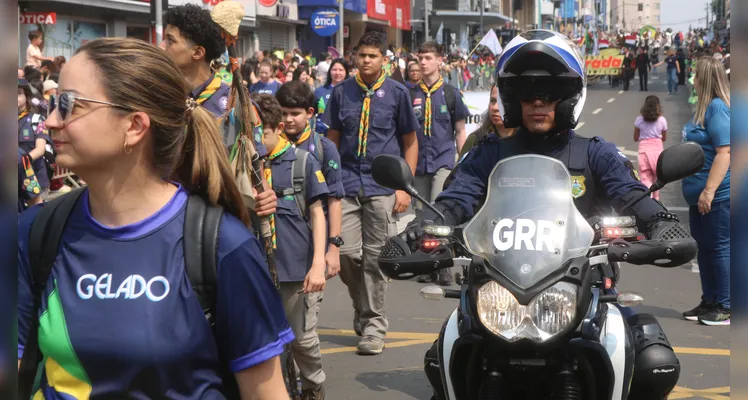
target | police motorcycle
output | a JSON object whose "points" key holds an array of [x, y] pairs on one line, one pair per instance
{"points": [[536, 318]]}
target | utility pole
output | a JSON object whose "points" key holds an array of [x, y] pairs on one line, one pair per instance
{"points": [[341, 44], [706, 6], [481, 16], [426, 20]]}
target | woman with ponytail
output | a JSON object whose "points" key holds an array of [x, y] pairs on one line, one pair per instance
{"points": [[118, 290]]}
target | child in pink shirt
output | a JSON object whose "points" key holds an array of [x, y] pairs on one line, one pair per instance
{"points": [[650, 130]]}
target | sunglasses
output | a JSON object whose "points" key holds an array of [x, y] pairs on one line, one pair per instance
{"points": [[65, 103], [546, 89]]}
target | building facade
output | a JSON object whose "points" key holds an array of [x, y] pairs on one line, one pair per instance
{"points": [[630, 15]]}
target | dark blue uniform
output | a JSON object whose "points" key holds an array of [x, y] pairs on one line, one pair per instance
{"points": [[218, 103], [391, 117], [437, 151], [602, 176], [330, 162], [295, 243], [30, 128]]}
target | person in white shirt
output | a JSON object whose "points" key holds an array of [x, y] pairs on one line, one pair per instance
{"points": [[322, 68], [34, 55]]}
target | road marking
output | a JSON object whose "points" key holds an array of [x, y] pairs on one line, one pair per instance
{"points": [[619, 92], [612, 99], [711, 393], [416, 338], [597, 111], [579, 126], [678, 208]]}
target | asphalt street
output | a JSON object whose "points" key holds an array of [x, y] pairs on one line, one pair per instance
{"points": [[397, 373]]}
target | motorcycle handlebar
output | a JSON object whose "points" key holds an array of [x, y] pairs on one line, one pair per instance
{"points": [[661, 253]]}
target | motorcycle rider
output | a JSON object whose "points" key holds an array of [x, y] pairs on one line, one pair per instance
{"points": [[542, 90]]}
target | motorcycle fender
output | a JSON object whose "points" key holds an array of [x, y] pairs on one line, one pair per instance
{"points": [[449, 335], [613, 337]]}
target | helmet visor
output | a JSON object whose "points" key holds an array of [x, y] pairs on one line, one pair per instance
{"points": [[544, 88]]}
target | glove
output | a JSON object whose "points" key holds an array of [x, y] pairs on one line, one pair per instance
{"points": [[414, 232]]}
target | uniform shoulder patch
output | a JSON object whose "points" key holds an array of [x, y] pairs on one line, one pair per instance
{"points": [[224, 102]]}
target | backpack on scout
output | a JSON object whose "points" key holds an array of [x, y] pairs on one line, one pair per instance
{"points": [[201, 226]]}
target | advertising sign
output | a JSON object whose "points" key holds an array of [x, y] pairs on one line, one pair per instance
{"points": [[37, 18], [325, 21], [609, 62]]}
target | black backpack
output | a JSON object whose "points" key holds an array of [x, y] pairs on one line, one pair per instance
{"points": [[450, 96], [201, 225]]}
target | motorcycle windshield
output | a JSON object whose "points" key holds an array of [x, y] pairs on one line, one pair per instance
{"points": [[529, 226]]}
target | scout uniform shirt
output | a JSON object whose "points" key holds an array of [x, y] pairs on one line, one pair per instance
{"points": [[322, 98], [330, 164], [391, 116], [30, 128], [438, 150], [295, 245], [119, 318], [213, 95]]}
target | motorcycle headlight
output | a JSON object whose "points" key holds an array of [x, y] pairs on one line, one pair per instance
{"points": [[548, 313]]}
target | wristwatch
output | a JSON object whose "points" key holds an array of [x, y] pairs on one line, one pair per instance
{"points": [[336, 241]]}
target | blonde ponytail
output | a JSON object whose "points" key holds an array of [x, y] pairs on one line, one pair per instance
{"points": [[203, 167]]}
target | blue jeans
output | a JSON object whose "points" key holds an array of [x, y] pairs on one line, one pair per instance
{"points": [[712, 234], [672, 80]]}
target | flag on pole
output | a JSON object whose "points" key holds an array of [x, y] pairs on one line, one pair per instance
{"points": [[492, 42], [439, 34]]}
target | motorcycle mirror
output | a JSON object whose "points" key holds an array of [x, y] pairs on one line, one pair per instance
{"points": [[393, 172], [432, 292], [678, 162]]}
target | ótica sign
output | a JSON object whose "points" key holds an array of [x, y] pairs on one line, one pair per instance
{"points": [[37, 18], [325, 22]]}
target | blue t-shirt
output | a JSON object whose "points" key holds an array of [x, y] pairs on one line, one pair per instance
{"points": [[265, 88], [322, 97], [119, 318], [671, 62], [714, 133]]}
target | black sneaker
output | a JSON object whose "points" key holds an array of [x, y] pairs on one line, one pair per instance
{"points": [[445, 277], [718, 316], [702, 308]]}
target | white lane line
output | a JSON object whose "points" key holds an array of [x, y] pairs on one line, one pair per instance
{"points": [[612, 99], [579, 126], [597, 111], [619, 92]]}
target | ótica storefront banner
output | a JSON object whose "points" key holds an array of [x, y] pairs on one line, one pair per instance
{"points": [[325, 21]]}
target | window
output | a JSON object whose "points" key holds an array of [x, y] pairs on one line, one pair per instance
{"points": [[657, 17], [657, 6], [641, 6]]}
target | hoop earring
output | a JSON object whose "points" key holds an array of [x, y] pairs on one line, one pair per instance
{"points": [[128, 150]]}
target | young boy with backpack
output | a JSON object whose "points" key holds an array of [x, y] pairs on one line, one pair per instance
{"points": [[300, 128], [298, 228]]}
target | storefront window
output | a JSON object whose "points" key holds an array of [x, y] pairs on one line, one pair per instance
{"points": [[64, 37], [138, 32]]}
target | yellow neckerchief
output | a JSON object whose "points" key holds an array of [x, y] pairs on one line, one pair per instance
{"points": [[280, 148], [427, 106], [363, 125], [209, 90], [23, 114], [301, 138]]}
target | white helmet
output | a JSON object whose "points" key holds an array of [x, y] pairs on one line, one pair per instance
{"points": [[542, 64]]}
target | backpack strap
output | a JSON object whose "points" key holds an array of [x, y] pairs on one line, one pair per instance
{"points": [[451, 99], [201, 224], [298, 180], [44, 243]]}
